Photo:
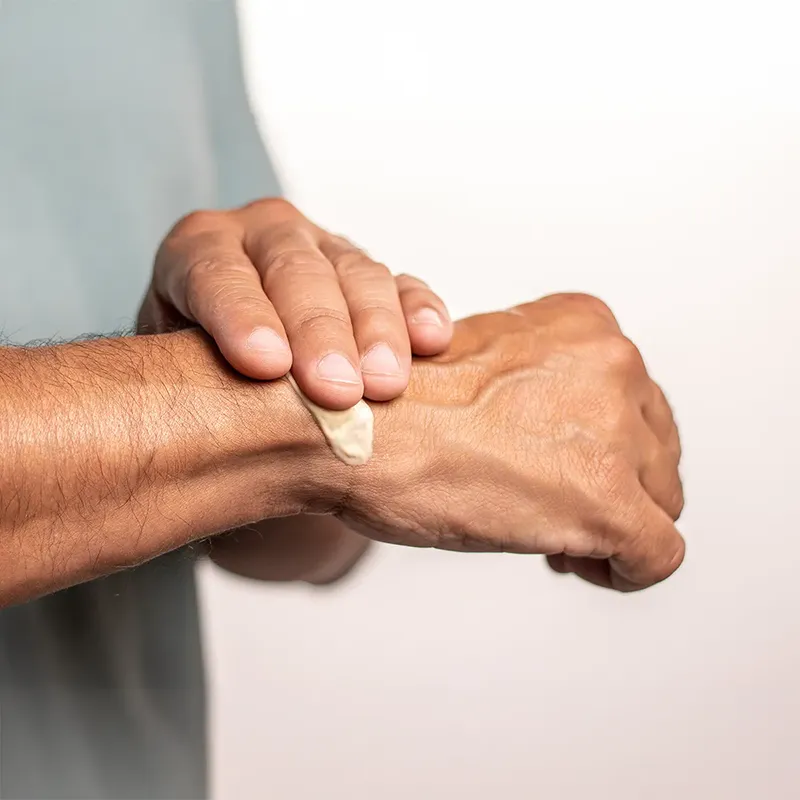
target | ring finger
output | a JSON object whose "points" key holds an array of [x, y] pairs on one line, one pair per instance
{"points": [[379, 326]]}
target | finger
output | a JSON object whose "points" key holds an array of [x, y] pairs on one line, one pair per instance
{"points": [[650, 550], [556, 563], [659, 474], [593, 570], [377, 318], [208, 277], [624, 576], [430, 329], [658, 415], [304, 288]]}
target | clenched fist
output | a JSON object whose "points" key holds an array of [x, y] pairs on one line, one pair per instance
{"points": [[539, 431]]}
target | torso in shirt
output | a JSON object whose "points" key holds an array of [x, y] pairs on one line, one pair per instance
{"points": [[117, 117]]}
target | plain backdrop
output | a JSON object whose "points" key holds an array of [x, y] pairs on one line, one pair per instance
{"points": [[648, 153]]}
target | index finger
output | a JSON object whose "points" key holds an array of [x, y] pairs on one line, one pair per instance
{"points": [[305, 289], [203, 270]]}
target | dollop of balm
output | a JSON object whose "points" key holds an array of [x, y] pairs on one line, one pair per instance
{"points": [[349, 433]]}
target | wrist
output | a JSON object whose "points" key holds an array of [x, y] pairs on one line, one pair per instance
{"points": [[295, 471], [257, 437], [413, 452], [147, 443]]}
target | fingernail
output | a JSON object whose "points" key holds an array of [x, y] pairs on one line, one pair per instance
{"points": [[265, 340], [428, 316], [336, 368], [381, 360]]}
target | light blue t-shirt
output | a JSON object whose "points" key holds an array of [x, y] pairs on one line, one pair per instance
{"points": [[117, 117]]}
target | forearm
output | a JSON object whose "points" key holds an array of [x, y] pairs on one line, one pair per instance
{"points": [[114, 451], [312, 548]]}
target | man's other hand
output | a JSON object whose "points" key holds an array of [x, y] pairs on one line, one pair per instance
{"points": [[538, 431], [276, 292]]}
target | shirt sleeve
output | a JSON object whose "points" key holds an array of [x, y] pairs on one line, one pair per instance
{"points": [[245, 171]]}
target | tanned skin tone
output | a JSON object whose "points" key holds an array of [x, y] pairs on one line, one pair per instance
{"points": [[278, 292], [535, 430]]}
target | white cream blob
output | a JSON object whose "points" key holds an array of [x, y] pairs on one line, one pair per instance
{"points": [[348, 432]]}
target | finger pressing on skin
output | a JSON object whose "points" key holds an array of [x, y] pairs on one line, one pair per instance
{"points": [[304, 288], [377, 318], [430, 329], [210, 279]]}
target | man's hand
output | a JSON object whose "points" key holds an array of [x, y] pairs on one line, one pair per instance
{"points": [[277, 292], [539, 431]]}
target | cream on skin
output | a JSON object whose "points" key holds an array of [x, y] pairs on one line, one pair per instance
{"points": [[348, 432]]}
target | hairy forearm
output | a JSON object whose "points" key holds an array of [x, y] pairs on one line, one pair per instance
{"points": [[116, 450], [311, 548]]}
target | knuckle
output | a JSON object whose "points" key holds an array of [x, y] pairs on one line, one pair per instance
{"points": [[355, 263], [194, 223], [374, 313], [296, 262], [582, 302], [593, 305], [210, 283], [620, 353], [311, 321], [199, 272], [677, 502], [342, 242], [406, 282], [270, 206]]}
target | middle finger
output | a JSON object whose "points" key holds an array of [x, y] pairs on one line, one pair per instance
{"points": [[304, 289], [379, 325]]}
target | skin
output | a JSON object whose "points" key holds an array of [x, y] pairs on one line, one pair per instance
{"points": [[538, 431], [118, 450], [313, 548], [277, 292]]}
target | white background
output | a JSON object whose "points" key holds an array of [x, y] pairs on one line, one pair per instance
{"points": [[649, 153]]}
